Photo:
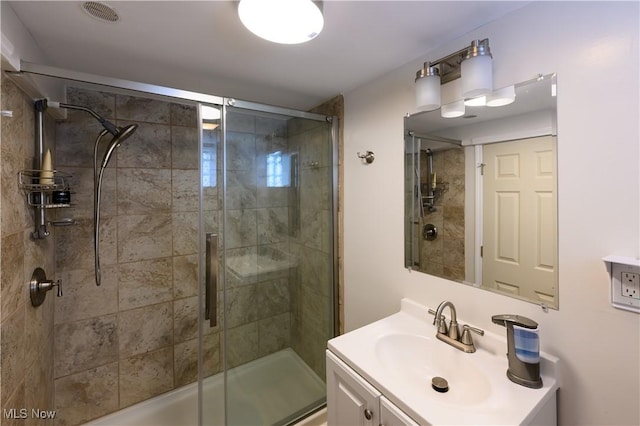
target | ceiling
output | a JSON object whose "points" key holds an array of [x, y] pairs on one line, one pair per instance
{"points": [[202, 45]]}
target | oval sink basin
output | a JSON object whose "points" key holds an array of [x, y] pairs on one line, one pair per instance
{"points": [[418, 359]]}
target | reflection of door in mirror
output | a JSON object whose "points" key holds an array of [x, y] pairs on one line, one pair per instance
{"points": [[519, 226]]}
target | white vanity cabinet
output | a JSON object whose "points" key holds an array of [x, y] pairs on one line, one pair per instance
{"points": [[390, 415], [352, 401]]}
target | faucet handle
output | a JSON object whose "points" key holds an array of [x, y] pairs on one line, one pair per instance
{"points": [[442, 324], [432, 312], [466, 334]]}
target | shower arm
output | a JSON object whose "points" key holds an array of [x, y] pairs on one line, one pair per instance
{"points": [[109, 126]]}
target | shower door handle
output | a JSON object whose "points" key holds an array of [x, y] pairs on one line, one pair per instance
{"points": [[211, 280]]}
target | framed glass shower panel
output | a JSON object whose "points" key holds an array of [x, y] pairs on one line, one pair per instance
{"points": [[278, 250]]}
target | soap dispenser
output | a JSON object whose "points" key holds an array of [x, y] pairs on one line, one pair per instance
{"points": [[523, 349]]}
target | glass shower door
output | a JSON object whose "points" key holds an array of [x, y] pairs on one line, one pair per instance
{"points": [[278, 252], [267, 263], [211, 364]]}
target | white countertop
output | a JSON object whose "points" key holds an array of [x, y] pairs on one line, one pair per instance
{"points": [[495, 399]]}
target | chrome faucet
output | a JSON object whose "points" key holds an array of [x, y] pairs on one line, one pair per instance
{"points": [[451, 334]]}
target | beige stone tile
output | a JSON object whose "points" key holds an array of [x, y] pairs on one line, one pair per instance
{"points": [[145, 376], [242, 189], [241, 306], [82, 298], [12, 347], [144, 283], [142, 109], [85, 344], [38, 331], [101, 102], [241, 151], [144, 237], [210, 198], [239, 122], [184, 115], [148, 148], [273, 297], [185, 276], [185, 149], [12, 283], [13, 399], [185, 190], [77, 140], [212, 353], [145, 329], [185, 362], [185, 319], [75, 248], [272, 225], [81, 181], [453, 252], [86, 395], [39, 388], [186, 227], [274, 334], [241, 228], [144, 191], [242, 345], [186, 359]]}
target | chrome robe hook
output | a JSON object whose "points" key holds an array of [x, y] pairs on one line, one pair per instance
{"points": [[368, 156]]}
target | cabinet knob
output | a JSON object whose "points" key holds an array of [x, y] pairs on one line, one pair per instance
{"points": [[368, 414]]}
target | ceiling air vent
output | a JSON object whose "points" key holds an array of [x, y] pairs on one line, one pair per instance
{"points": [[100, 11]]}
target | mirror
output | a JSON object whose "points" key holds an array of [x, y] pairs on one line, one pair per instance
{"points": [[481, 195]]}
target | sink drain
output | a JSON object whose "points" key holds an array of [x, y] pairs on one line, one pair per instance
{"points": [[440, 384]]}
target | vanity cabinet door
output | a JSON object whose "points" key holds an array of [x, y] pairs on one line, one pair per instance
{"points": [[351, 401], [390, 415]]}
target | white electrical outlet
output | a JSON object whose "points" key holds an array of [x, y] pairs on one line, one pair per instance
{"points": [[630, 283], [625, 282]]}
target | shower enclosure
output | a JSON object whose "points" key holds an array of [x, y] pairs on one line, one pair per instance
{"points": [[217, 234]]}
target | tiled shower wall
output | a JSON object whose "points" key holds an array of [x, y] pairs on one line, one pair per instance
{"points": [[311, 290], [26, 369], [444, 256], [135, 336]]}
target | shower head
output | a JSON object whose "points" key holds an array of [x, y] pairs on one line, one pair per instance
{"points": [[121, 135], [109, 126]]}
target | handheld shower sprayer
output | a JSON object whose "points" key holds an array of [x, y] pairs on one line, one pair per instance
{"points": [[120, 134]]}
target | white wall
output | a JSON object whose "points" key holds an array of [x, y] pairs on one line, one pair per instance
{"points": [[593, 46]]}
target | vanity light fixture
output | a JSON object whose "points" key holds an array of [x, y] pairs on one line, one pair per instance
{"points": [[453, 109], [477, 101], [282, 21], [428, 88], [502, 97], [473, 65], [477, 69]]}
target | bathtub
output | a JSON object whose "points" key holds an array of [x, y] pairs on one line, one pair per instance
{"points": [[262, 392]]}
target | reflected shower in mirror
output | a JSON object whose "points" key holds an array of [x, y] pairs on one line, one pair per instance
{"points": [[481, 194]]}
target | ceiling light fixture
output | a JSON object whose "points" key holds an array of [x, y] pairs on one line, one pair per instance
{"points": [[472, 65], [282, 21]]}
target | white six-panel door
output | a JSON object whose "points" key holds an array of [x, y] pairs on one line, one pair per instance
{"points": [[520, 218]]}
